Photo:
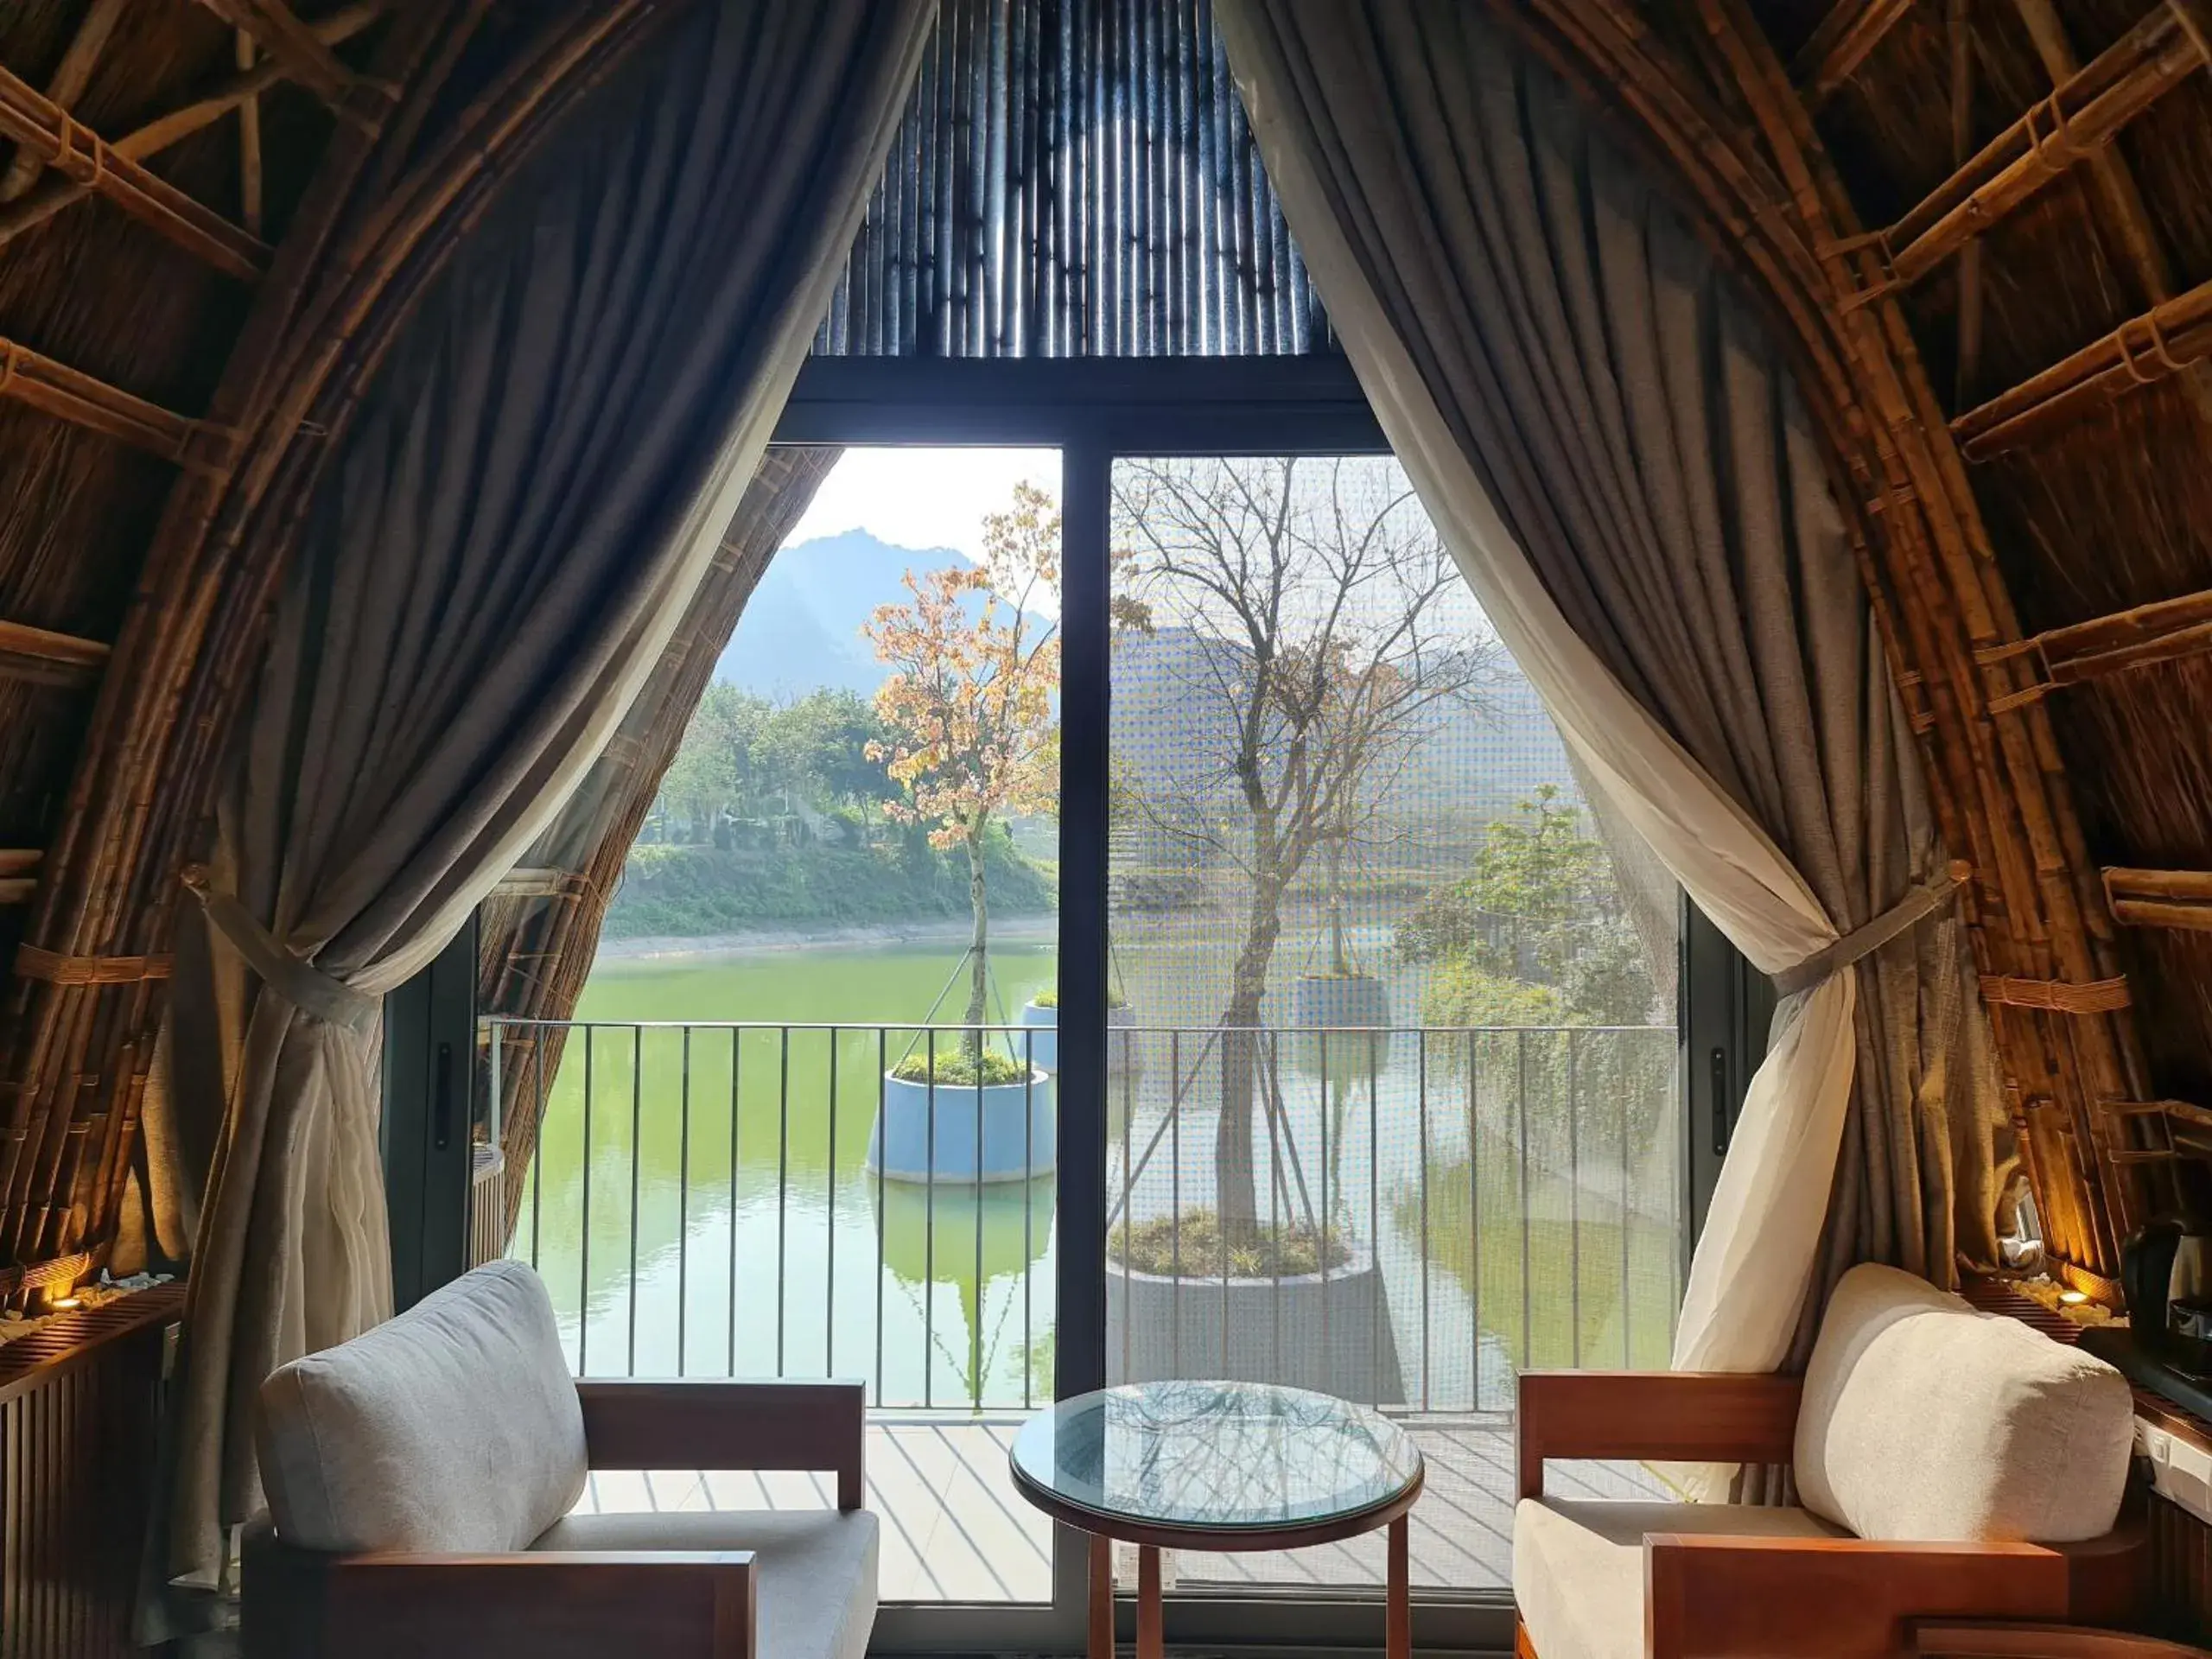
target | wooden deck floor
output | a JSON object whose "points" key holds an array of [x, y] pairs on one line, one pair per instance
{"points": [[954, 1529]]}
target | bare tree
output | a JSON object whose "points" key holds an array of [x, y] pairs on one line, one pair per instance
{"points": [[1317, 593]]}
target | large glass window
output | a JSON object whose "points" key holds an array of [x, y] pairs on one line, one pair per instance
{"points": [[1393, 1110]]}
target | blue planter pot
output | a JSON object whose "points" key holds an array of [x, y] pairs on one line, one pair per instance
{"points": [[1045, 1047], [1011, 1124]]}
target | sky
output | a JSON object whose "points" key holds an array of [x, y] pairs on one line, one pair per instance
{"points": [[923, 498]]}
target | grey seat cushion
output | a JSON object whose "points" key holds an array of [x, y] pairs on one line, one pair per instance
{"points": [[1577, 1566], [1926, 1419], [817, 1568], [453, 1428]]}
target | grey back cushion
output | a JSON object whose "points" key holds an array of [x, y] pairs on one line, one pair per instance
{"points": [[453, 1427], [1926, 1419]]}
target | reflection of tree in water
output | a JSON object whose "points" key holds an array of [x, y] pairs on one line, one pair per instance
{"points": [[973, 1241], [1230, 1455]]}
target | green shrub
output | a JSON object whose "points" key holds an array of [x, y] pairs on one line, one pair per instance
{"points": [[956, 1065], [1190, 1246]]}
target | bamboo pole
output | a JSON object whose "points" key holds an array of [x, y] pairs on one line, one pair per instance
{"points": [[70, 76], [44, 129], [45, 657], [1968, 373], [68, 394], [306, 55], [2117, 189], [335, 293], [2085, 112], [2165, 340], [248, 145], [160, 134], [1845, 37]]}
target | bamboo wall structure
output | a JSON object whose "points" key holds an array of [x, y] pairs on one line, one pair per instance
{"points": [[1074, 178]]}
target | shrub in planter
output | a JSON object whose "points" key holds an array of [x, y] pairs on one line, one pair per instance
{"points": [[1294, 1305]]}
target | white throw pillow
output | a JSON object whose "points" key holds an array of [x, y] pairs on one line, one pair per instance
{"points": [[1926, 1419], [453, 1428]]}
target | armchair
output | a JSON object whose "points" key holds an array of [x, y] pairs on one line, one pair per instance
{"points": [[1929, 1443], [419, 1481]]}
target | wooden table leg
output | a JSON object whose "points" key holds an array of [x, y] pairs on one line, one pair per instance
{"points": [[1149, 1621], [1102, 1598], [1398, 1609]]}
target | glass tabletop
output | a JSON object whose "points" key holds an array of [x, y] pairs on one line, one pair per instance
{"points": [[1215, 1457]]}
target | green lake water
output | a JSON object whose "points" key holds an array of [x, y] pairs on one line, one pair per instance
{"points": [[746, 1236]]}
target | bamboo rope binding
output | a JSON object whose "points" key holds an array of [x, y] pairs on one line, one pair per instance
{"points": [[2057, 995], [52, 969]]}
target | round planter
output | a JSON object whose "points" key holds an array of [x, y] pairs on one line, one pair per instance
{"points": [[1329, 1333], [927, 1132], [1333, 1001], [1044, 1045]]}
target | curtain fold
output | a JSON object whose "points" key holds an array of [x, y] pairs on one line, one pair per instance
{"points": [[1616, 454], [523, 509], [536, 946]]}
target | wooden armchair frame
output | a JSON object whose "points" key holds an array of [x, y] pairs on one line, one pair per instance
{"points": [[552, 1604], [1707, 1595]]}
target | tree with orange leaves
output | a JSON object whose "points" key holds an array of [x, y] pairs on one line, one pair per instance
{"points": [[974, 737]]}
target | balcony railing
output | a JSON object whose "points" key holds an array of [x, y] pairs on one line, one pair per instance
{"points": [[754, 1199]]}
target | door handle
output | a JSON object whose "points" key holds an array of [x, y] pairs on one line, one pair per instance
{"points": [[441, 1100], [1721, 1114]]}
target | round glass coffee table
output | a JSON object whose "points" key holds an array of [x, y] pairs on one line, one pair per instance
{"points": [[1217, 1466]]}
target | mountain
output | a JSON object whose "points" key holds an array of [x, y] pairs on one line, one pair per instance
{"points": [[801, 629]]}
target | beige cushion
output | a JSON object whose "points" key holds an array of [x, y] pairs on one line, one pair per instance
{"points": [[453, 1428], [1925, 1419], [1577, 1567], [817, 1568]]}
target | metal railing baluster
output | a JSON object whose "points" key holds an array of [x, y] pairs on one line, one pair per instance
{"points": [[1544, 1160]]}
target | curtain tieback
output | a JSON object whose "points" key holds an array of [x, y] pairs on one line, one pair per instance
{"points": [[1923, 901], [298, 981]]}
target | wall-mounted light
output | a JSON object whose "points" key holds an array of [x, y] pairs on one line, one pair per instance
{"points": [[2073, 1298], [63, 1304]]}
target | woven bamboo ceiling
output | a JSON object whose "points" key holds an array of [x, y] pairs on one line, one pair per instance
{"points": [[1983, 225]]}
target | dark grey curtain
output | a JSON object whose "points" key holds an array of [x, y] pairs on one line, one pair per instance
{"points": [[1638, 435], [523, 508]]}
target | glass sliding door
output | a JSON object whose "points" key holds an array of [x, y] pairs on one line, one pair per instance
{"points": [[1392, 1107]]}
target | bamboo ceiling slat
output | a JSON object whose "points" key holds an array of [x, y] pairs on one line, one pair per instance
{"points": [[2083, 115], [58, 390], [36, 122], [2164, 341], [1846, 38], [205, 107]]}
